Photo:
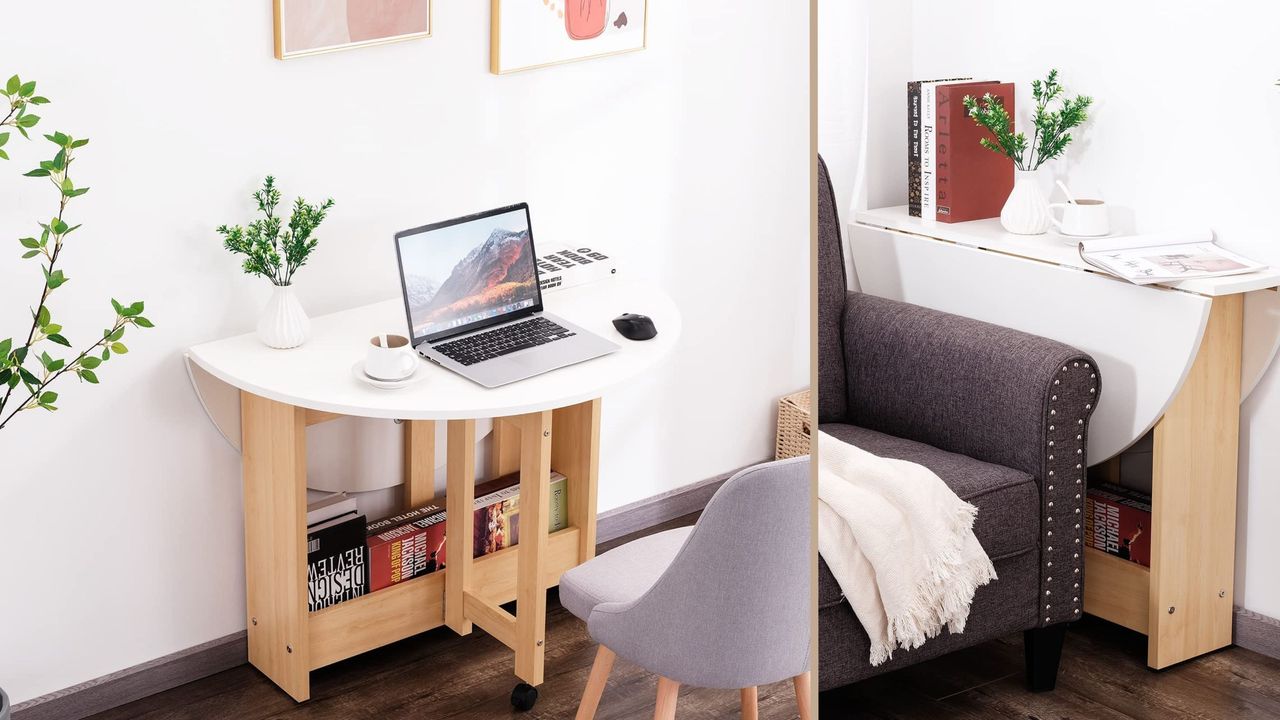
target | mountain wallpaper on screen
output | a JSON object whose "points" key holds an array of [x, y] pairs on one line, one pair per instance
{"points": [[497, 272]]}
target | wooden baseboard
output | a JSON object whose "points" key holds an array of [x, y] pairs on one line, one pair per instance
{"points": [[1256, 632], [170, 671]]}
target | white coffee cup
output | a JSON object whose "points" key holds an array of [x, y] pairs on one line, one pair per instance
{"points": [[390, 358], [1082, 218]]}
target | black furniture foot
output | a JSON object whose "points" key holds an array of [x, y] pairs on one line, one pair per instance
{"points": [[1043, 648], [524, 696]]}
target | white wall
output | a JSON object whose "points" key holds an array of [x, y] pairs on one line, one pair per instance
{"points": [[120, 530], [1183, 131]]}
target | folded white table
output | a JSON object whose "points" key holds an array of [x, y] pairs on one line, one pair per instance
{"points": [[262, 400]]}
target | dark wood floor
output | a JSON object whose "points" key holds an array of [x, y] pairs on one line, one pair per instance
{"points": [[1103, 676], [440, 675]]}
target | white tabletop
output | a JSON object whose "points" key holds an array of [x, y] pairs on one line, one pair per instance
{"points": [[1049, 248], [318, 375]]}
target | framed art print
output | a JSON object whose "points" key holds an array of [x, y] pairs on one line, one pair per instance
{"points": [[527, 34], [311, 27]]}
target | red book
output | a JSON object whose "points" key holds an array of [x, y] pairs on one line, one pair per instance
{"points": [[407, 551], [972, 181], [1118, 522]]}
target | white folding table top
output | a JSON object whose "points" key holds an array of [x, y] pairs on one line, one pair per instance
{"points": [[318, 374], [1049, 248]]}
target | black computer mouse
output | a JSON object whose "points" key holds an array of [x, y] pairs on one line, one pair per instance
{"points": [[635, 327]]}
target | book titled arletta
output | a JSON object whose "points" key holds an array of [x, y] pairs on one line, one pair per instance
{"points": [[972, 182], [337, 561]]}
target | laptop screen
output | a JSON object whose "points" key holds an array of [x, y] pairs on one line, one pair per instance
{"points": [[467, 273]]}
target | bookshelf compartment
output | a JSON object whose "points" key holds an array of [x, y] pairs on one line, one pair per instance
{"points": [[1117, 590], [416, 606]]}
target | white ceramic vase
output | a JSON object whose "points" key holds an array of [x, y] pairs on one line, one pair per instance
{"points": [[284, 323], [1026, 212]]}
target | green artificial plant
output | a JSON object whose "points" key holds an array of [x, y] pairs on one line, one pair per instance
{"points": [[28, 366], [1052, 134], [271, 250]]}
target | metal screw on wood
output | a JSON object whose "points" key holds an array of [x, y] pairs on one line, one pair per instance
{"points": [[546, 433], [255, 621], [1222, 593], [290, 647], [540, 643], [1170, 609]]}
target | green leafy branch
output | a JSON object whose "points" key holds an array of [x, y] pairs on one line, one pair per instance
{"points": [[1052, 134], [25, 364], [271, 250]]}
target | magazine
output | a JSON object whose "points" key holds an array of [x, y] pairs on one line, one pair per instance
{"points": [[1164, 257]]}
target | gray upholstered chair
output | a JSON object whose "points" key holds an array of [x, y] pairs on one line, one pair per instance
{"points": [[1001, 416], [723, 604]]}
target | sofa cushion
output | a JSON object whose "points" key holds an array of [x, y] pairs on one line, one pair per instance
{"points": [[1008, 500]]}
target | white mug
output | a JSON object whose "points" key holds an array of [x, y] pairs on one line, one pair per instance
{"points": [[390, 358], [1083, 218]]}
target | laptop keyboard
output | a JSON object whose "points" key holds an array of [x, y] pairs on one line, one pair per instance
{"points": [[503, 341]]}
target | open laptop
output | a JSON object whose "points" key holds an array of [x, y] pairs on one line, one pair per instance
{"points": [[473, 301]]}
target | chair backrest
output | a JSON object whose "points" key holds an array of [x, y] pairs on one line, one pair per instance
{"points": [[732, 610], [833, 401]]}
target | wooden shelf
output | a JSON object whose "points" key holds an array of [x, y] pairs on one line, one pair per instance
{"points": [[1117, 590], [416, 606]]}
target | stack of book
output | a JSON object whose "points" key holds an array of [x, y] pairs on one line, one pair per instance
{"points": [[337, 557], [1117, 521], [950, 176]]}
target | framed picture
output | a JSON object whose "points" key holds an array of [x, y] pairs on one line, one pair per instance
{"points": [[311, 27], [527, 34]]}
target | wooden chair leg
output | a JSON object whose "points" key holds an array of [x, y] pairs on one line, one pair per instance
{"points": [[802, 695], [667, 692], [595, 684], [750, 708]]}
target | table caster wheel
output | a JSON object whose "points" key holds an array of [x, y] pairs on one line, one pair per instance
{"points": [[524, 696]]}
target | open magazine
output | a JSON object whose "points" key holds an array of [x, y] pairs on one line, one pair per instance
{"points": [[1164, 257]]}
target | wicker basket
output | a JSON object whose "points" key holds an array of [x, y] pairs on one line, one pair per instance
{"points": [[794, 430]]}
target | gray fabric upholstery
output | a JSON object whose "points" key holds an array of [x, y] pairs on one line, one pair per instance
{"points": [[1008, 500], [948, 386], [832, 286], [732, 608], [999, 608], [621, 575]]}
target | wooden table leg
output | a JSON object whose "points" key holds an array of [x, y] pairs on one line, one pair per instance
{"points": [[459, 504], [504, 447], [419, 462], [535, 511], [1194, 499], [575, 452], [274, 457]]}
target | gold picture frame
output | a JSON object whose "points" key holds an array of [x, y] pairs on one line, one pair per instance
{"points": [[281, 36], [496, 35]]}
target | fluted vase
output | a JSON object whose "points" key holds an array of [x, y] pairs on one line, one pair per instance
{"points": [[284, 323], [1026, 212]]}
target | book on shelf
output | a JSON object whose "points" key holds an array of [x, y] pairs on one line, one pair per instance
{"points": [[920, 128], [1117, 521], [328, 507], [337, 560], [970, 181], [412, 544], [1164, 257]]}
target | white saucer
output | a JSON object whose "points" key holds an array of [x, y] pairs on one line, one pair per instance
{"points": [[418, 375]]}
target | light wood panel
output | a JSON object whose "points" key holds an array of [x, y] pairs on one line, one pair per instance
{"points": [[535, 510], [459, 499], [492, 619], [419, 462], [494, 576], [1193, 499], [1116, 590], [504, 447], [364, 623], [575, 453], [274, 460], [600, 670], [315, 417]]}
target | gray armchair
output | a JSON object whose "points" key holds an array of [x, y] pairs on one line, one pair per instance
{"points": [[1001, 416], [724, 604]]}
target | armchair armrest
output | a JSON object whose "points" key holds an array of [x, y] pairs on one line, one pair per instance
{"points": [[989, 392]]}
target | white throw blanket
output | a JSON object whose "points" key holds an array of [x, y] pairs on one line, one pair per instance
{"points": [[900, 544]]}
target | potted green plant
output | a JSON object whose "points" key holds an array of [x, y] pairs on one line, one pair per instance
{"points": [[1026, 212], [276, 251], [31, 365]]}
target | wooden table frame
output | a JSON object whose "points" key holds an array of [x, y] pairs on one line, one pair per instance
{"points": [[1183, 603], [286, 642]]}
